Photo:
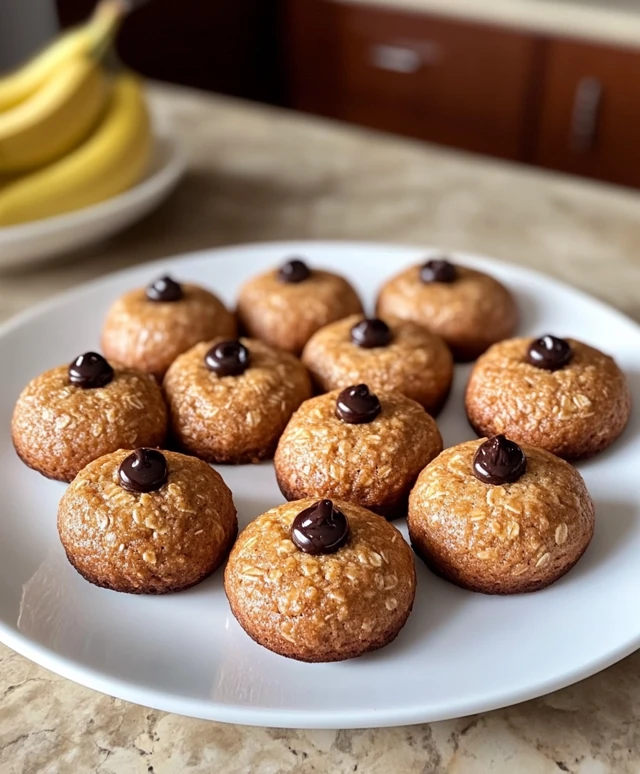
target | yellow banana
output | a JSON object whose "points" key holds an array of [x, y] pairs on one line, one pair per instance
{"points": [[56, 118], [18, 86], [111, 160]]}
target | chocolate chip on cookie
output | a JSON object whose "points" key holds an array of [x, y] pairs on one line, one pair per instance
{"points": [[549, 352], [164, 290], [438, 270], [294, 271]]}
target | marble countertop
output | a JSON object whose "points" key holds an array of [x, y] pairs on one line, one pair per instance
{"points": [[255, 174], [608, 21]]}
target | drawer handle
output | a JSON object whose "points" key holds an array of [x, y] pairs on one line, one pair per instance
{"points": [[403, 58], [586, 111]]}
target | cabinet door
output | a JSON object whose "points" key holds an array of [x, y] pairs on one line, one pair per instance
{"points": [[590, 123], [447, 81], [312, 59], [450, 82]]}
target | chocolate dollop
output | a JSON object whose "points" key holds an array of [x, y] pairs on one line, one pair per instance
{"points": [[499, 461], [320, 529]]}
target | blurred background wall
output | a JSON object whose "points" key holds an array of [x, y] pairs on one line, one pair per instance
{"points": [[555, 84], [25, 26]]}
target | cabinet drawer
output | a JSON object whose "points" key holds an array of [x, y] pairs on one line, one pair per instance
{"points": [[590, 120], [456, 83]]}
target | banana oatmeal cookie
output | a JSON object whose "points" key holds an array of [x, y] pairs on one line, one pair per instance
{"points": [[498, 518], [229, 401], [560, 395], [469, 309], [320, 580], [286, 306], [357, 446], [149, 327], [147, 522], [70, 415], [396, 355]]}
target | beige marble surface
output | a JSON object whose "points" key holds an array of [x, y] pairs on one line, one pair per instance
{"points": [[608, 21], [259, 174]]}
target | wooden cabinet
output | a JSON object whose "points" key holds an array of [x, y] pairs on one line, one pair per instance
{"points": [[438, 80], [590, 118], [460, 84], [312, 59], [229, 47], [563, 104]]}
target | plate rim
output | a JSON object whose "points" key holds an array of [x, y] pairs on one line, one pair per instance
{"points": [[286, 718], [209, 709]]}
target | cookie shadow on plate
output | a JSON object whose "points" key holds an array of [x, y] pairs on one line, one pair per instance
{"points": [[529, 317], [614, 521], [433, 609], [250, 506], [628, 436]]}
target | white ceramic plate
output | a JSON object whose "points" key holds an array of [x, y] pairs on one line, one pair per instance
{"points": [[459, 652], [41, 240]]}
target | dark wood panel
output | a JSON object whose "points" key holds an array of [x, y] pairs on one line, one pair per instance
{"points": [[455, 83], [313, 64], [590, 122], [230, 47]]}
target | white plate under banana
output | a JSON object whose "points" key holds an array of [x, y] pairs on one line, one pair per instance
{"points": [[37, 241]]}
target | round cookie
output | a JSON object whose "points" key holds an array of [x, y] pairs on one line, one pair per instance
{"points": [[469, 309], [147, 522], [149, 327], [70, 415], [351, 595], [574, 408], [286, 306], [229, 401], [493, 517], [356, 446], [397, 355]]}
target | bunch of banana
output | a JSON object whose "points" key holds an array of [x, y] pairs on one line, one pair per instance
{"points": [[71, 132]]}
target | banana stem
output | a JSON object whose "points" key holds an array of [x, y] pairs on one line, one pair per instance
{"points": [[110, 8], [106, 21], [118, 7]]}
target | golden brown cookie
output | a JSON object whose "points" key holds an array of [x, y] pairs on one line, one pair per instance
{"points": [[70, 415], [147, 522], [494, 517], [350, 595], [574, 408], [394, 355], [469, 309], [372, 461], [230, 401], [149, 327], [286, 306]]}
